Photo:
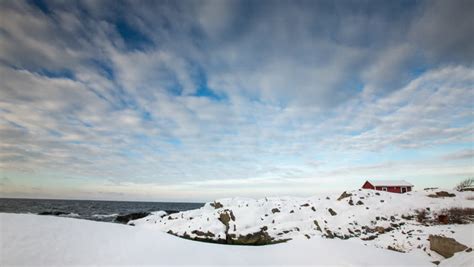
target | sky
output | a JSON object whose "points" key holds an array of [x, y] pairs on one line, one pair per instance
{"points": [[197, 100]]}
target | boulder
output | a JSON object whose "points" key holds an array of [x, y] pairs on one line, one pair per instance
{"points": [[445, 246], [216, 205], [332, 212], [132, 216], [344, 195], [275, 210]]}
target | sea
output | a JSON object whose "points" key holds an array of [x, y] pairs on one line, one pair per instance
{"points": [[106, 211]]}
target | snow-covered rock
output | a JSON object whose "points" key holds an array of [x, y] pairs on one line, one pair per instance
{"points": [[372, 218]]}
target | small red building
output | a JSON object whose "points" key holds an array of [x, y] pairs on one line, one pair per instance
{"points": [[394, 186]]}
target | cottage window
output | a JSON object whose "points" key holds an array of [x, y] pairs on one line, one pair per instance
{"points": [[384, 189]]}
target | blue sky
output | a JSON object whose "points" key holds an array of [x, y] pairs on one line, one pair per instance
{"points": [[196, 100]]}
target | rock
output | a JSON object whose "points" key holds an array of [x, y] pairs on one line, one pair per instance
{"points": [[360, 203], [372, 237], [436, 262], [305, 205], [407, 217], [132, 216], [313, 208], [275, 210], [380, 229], [200, 233], [224, 218], [344, 195], [377, 193], [328, 198], [256, 239], [307, 236], [292, 211], [216, 205], [351, 202], [317, 225], [54, 213], [445, 246], [332, 212], [395, 249], [468, 250], [441, 194], [382, 201]]}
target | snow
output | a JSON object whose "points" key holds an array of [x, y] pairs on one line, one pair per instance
{"points": [[389, 183], [48, 241]]}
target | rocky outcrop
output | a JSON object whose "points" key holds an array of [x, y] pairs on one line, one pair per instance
{"points": [[132, 216], [332, 212], [275, 210], [445, 246], [216, 205]]}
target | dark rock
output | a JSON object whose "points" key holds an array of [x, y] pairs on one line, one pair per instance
{"points": [[436, 262], [275, 210], [54, 213], [351, 202], [292, 211], [132, 216], [377, 193], [307, 236], [445, 246], [369, 238], [328, 198], [332, 212], [408, 217], [216, 205], [344, 195], [441, 194], [382, 201], [360, 203], [313, 208], [395, 249], [317, 225], [468, 250], [201, 233], [305, 205]]}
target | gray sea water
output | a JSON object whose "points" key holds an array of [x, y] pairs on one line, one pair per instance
{"points": [[89, 209]]}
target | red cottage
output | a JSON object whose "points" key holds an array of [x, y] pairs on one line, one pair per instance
{"points": [[394, 186]]}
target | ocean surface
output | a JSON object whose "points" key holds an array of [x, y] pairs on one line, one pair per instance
{"points": [[89, 209]]}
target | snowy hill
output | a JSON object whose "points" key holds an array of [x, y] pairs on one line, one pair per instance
{"points": [[400, 222]]}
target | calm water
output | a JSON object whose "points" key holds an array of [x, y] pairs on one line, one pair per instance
{"points": [[89, 209]]}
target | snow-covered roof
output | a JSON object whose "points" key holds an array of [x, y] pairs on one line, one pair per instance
{"points": [[389, 183]]}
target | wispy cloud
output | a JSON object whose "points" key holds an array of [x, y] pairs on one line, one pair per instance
{"points": [[195, 100]]}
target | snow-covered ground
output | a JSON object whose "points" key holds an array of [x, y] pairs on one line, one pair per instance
{"points": [[54, 241], [322, 230]]}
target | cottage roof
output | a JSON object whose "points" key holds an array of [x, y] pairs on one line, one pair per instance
{"points": [[389, 183]]}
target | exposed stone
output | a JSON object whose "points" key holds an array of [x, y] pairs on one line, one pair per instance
{"points": [[332, 212], [132, 216], [275, 210], [344, 195], [317, 225], [305, 205], [441, 194], [216, 205], [313, 208], [351, 202], [395, 249], [372, 237], [445, 246], [201, 233], [360, 203]]}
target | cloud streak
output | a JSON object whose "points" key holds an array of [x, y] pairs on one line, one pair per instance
{"points": [[199, 101]]}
